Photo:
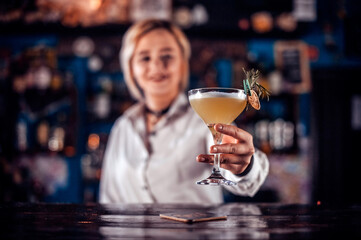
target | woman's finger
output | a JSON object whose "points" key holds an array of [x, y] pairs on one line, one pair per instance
{"points": [[228, 161], [205, 158], [234, 132], [240, 149], [225, 159], [234, 159]]}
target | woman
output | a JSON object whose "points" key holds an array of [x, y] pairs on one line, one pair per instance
{"points": [[153, 146]]}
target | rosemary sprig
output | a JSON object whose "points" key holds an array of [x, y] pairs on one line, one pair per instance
{"points": [[252, 76]]}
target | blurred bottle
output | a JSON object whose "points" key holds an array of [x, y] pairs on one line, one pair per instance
{"points": [[21, 130], [42, 134]]}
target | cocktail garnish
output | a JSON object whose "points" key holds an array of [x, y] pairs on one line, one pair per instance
{"points": [[253, 89], [253, 100]]}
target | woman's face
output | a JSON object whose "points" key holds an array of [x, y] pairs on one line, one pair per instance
{"points": [[157, 64]]}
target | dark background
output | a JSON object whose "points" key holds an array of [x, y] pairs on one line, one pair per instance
{"points": [[319, 166]]}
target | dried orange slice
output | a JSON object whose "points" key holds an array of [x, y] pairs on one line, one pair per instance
{"points": [[253, 100]]}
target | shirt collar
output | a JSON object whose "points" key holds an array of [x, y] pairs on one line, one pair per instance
{"points": [[178, 107]]}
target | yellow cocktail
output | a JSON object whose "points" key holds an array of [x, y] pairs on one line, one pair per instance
{"points": [[217, 105]]}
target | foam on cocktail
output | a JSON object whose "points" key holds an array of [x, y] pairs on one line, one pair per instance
{"points": [[217, 95]]}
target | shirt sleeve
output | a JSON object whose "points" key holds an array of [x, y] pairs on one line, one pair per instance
{"points": [[249, 184], [106, 191]]}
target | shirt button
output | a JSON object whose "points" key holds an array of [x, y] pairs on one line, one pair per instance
{"points": [[145, 188]]}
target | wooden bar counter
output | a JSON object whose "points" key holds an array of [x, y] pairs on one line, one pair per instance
{"points": [[143, 221]]}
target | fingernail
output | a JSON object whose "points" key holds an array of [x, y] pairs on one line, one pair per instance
{"points": [[201, 159], [214, 149], [220, 126]]}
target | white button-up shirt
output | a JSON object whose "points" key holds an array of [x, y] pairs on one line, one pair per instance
{"points": [[161, 167]]}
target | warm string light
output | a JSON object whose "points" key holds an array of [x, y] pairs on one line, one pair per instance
{"points": [[93, 141]]}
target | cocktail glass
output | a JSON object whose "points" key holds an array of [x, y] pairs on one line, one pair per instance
{"points": [[217, 105]]}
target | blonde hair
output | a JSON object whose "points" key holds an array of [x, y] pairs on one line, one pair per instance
{"points": [[130, 41]]}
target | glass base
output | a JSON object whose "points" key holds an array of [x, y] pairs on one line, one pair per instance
{"points": [[216, 179]]}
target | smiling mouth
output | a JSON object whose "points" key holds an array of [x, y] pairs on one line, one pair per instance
{"points": [[159, 78]]}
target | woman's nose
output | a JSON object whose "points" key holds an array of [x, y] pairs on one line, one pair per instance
{"points": [[157, 66]]}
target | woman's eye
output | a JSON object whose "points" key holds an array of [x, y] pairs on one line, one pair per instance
{"points": [[144, 59], [166, 57]]}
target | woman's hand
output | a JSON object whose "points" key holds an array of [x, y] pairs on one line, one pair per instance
{"points": [[236, 149]]}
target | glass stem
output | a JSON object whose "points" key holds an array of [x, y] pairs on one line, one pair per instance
{"points": [[216, 163], [217, 137]]}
